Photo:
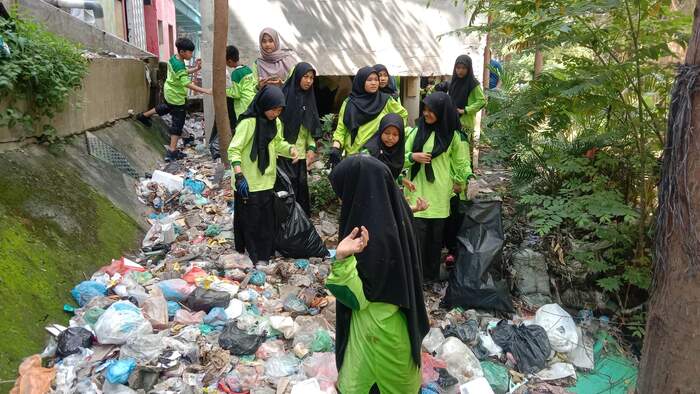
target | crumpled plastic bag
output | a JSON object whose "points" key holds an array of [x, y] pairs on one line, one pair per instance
{"points": [[433, 340], [281, 366], [238, 341], [155, 308], [72, 339], [87, 290], [529, 345], [206, 299], [560, 327], [121, 321], [144, 348], [270, 349], [467, 332], [175, 289], [322, 342], [119, 370], [216, 317], [33, 378], [322, 367], [429, 367], [122, 267], [461, 362], [189, 318], [284, 324]]}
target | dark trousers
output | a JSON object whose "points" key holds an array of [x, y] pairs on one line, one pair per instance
{"points": [[452, 225], [254, 225], [297, 175], [429, 235], [178, 113], [231, 120]]}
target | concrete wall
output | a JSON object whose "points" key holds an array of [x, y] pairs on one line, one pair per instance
{"points": [[111, 88]]}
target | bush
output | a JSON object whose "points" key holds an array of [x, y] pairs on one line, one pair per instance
{"points": [[321, 193]]}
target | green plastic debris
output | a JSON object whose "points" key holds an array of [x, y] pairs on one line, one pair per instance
{"points": [[205, 329], [69, 308], [613, 373], [497, 375], [213, 230], [141, 277], [91, 315], [322, 342]]}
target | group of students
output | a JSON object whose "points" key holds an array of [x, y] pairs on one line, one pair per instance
{"points": [[399, 186]]}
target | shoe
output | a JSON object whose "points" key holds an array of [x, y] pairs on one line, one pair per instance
{"points": [[143, 119], [180, 154], [172, 155], [188, 141]]}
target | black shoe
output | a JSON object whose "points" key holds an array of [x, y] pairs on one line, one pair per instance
{"points": [[188, 141], [172, 155], [143, 119]]}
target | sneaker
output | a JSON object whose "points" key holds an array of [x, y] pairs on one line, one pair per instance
{"points": [[172, 155], [143, 119]]}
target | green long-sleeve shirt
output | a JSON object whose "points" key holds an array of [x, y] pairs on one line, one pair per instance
{"points": [[379, 347], [305, 142], [466, 152], [175, 87], [239, 154], [475, 102], [451, 167], [367, 130], [243, 87]]}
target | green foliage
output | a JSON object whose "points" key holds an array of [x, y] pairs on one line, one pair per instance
{"points": [[42, 70], [321, 193]]}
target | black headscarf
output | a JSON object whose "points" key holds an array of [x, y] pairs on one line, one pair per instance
{"points": [[389, 89], [393, 157], [300, 108], [362, 107], [460, 88], [268, 97], [390, 265], [447, 123]]}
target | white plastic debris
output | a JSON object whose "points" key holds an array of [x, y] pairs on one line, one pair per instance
{"points": [[582, 356], [557, 371], [309, 386], [477, 386], [172, 182], [560, 327], [433, 340]]}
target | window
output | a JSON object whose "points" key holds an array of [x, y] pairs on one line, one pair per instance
{"points": [[160, 32], [171, 39]]}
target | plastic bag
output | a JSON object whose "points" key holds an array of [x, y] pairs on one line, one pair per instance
{"points": [[429, 367], [195, 185], [72, 339], [206, 299], [216, 317], [560, 327], [175, 289], [238, 341], [189, 318], [294, 305], [121, 321], [281, 366], [529, 345], [461, 362], [33, 378], [321, 366], [433, 340], [283, 324], [270, 349], [235, 309], [144, 348], [297, 236], [119, 370], [322, 342], [193, 274], [155, 308], [173, 307], [257, 278], [467, 332], [480, 241], [309, 386], [122, 267], [87, 290]]}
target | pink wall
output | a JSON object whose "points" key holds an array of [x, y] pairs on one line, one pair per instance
{"points": [[162, 11]]}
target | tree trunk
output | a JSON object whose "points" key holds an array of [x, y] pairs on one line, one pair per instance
{"points": [[219, 77], [672, 344], [539, 62]]}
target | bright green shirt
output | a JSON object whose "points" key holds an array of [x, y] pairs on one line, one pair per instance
{"points": [[367, 130], [175, 88], [379, 347], [475, 102], [243, 87], [449, 168], [466, 153], [239, 154], [305, 142]]}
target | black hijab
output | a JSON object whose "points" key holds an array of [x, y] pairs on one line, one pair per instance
{"points": [[460, 88], [300, 105], [393, 157], [390, 265], [447, 123], [389, 89], [268, 97], [362, 107]]}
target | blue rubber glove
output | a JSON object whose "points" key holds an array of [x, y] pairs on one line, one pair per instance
{"points": [[241, 185]]}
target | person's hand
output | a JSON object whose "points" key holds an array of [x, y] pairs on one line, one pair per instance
{"points": [[294, 153], [334, 157], [472, 189], [354, 243], [422, 157], [460, 111], [310, 158], [457, 188], [207, 91], [241, 185], [198, 64], [421, 205], [262, 82], [408, 184]]}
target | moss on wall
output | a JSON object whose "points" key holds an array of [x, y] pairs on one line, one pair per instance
{"points": [[55, 231]]}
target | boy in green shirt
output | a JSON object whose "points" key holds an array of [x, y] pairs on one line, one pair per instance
{"points": [[175, 92]]}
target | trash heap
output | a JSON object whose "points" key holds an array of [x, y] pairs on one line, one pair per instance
{"points": [[188, 314]]}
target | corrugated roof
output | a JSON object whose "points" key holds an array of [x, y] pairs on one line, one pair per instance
{"points": [[340, 36]]}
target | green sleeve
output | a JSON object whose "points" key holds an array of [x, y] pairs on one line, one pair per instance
{"points": [[282, 147], [476, 101], [410, 136], [183, 77], [233, 91], [310, 144], [395, 107], [459, 159], [247, 88], [244, 132], [256, 76], [341, 132], [346, 285]]}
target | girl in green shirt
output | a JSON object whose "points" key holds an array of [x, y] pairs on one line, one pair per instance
{"points": [[361, 113], [387, 83], [253, 154], [301, 125], [380, 314], [438, 165]]}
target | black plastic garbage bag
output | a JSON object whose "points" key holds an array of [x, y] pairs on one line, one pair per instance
{"points": [[467, 332], [206, 299], [528, 344], [480, 242], [297, 236], [238, 342], [72, 339]]}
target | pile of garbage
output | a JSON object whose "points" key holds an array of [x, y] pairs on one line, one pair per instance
{"points": [[188, 314]]}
